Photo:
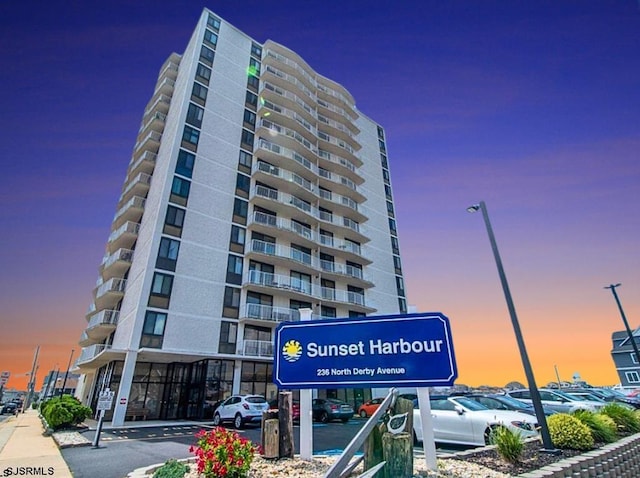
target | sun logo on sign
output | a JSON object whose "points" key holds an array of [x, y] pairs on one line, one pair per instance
{"points": [[292, 350]]}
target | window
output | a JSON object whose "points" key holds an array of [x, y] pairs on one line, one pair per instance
{"points": [[253, 83], [402, 304], [194, 115], [301, 282], [190, 135], [231, 304], [199, 93], [397, 264], [395, 246], [328, 312], [238, 237], [213, 22], [184, 166], [210, 39], [251, 99], [249, 118], [245, 159], [247, 139], [400, 285], [385, 176], [243, 184], [234, 270], [153, 329], [203, 74], [383, 160], [392, 227], [390, 208], [175, 216], [387, 191], [256, 50], [180, 191], [206, 55], [168, 254], [634, 359], [160, 290], [383, 149], [380, 133], [632, 377], [240, 211], [228, 337], [254, 67]]}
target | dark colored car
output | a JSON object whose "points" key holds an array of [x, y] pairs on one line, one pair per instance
{"points": [[504, 402], [327, 409], [9, 407], [608, 395], [295, 408]]}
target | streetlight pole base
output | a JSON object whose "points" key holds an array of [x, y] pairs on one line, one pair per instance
{"points": [[551, 451]]}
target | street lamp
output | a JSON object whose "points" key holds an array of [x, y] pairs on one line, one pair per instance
{"points": [[533, 389], [624, 319], [66, 374]]}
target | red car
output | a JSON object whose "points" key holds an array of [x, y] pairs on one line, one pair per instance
{"points": [[369, 407], [295, 408]]}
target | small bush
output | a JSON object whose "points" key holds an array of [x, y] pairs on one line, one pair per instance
{"points": [[570, 433], [509, 444], [603, 428], [626, 420], [64, 411], [171, 469]]}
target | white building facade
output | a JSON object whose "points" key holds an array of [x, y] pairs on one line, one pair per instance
{"points": [[256, 188]]}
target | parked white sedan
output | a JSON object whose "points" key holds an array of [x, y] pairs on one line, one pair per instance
{"points": [[463, 421]]}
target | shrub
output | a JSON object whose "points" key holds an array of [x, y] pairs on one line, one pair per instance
{"points": [[603, 428], [64, 411], [509, 444], [171, 469], [221, 453], [626, 420], [568, 432]]}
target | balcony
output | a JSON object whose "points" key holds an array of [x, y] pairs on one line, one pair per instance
{"points": [[285, 180], [148, 142], [285, 157], [124, 237], [136, 186], [285, 63], [116, 264], [158, 103], [144, 163], [109, 293], [286, 286], [259, 314], [165, 86], [291, 230], [90, 353], [129, 212], [170, 67], [154, 122], [257, 348], [100, 326], [283, 256], [272, 92]]}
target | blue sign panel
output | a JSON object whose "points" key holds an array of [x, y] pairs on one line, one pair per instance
{"points": [[413, 350]]}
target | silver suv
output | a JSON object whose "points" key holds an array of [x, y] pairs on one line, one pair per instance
{"points": [[557, 400], [241, 409]]}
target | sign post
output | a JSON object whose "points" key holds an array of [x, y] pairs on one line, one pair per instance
{"points": [[105, 402]]}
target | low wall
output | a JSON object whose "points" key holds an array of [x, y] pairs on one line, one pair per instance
{"points": [[615, 460]]}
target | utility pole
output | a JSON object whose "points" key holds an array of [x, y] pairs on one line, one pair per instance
{"points": [[612, 287], [32, 380], [66, 374]]}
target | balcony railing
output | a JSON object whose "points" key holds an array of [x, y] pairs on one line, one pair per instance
{"points": [[104, 317], [270, 313], [257, 348], [114, 284], [128, 227], [89, 353]]}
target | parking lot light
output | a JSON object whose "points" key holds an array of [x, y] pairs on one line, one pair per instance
{"points": [[624, 320], [533, 389]]}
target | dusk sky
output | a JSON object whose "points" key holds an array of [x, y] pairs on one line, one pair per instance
{"points": [[532, 106]]}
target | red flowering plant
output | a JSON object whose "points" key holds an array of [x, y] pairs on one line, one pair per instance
{"points": [[221, 453]]}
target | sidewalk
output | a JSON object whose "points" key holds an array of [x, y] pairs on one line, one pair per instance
{"points": [[23, 446]]}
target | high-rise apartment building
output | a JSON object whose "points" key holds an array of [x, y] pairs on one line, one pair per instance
{"points": [[256, 188]]}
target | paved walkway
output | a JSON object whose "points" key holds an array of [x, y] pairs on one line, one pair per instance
{"points": [[23, 446]]}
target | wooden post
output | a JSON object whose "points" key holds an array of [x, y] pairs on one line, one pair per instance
{"points": [[271, 444], [373, 449], [285, 418], [397, 452], [266, 416], [403, 405]]}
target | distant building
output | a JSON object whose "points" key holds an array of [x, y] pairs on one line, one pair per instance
{"points": [[55, 380], [624, 358], [256, 188]]}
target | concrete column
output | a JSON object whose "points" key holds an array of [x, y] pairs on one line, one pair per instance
{"points": [[122, 397]]}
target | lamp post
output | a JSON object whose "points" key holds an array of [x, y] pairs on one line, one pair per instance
{"points": [[66, 374], [533, 389], [624, 319]]}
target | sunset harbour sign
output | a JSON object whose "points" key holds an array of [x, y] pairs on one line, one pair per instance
{"points": [[413, 350]]}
